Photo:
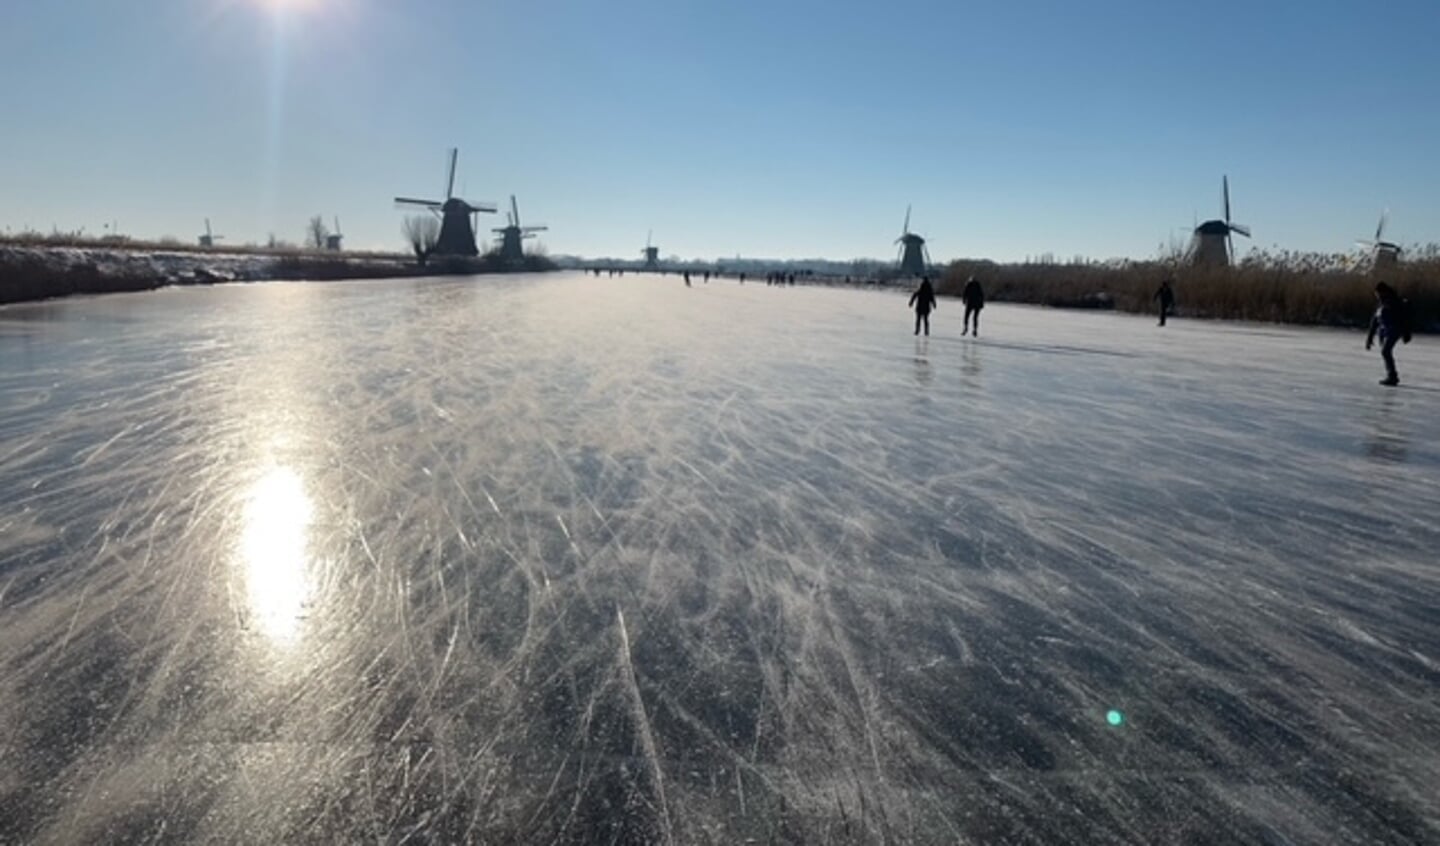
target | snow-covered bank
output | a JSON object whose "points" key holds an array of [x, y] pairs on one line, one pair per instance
{"points": [[37, 273]]}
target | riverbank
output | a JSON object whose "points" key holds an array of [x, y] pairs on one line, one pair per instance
{"points": [[29, 273]]}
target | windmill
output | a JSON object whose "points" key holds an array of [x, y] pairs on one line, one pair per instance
{"points": [[333, 240], [651, 253], [1212, 244], [1384, 255], [913, 255], [457, 234], [209, 238], [513, 236]]}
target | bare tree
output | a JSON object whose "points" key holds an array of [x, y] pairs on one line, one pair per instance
{"points": [[316, 233], [423, 233]]}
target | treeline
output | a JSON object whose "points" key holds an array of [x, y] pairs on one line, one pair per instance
{"points": [[39, 273], [1277, 288], [84, 241], [28, 274]]}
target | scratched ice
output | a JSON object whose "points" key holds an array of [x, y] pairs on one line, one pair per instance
{"points": [[582, 560]]}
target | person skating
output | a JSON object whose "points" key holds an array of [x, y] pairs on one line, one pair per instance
{"points": [[923, 301], [1165, 296], [973, 296], [1391, 322]]}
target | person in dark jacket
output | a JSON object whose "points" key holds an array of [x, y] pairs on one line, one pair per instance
{"points": [[973, 296], [1391, 322], [923, 301], [1165, 296]]}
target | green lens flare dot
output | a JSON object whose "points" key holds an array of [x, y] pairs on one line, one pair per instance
{"points": [[1115, 718]]}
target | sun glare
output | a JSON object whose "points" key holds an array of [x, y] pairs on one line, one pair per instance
{"points": [[289, 7], [274, 552]]}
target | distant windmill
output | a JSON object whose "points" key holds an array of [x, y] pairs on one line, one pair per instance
{"points": [[1384, 255], [1212, 244], [457, 235], [513, 236], [209, 238], [913, 255], [651, 254], [333, 240]]}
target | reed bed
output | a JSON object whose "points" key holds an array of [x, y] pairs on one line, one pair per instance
{"points": [[1272, 287]]}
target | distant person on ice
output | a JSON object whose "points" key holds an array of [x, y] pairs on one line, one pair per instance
{"points": [[1165, 296], [923, 301], [973, 296], [1392, 323]]}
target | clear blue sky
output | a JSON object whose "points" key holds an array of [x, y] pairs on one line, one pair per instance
{"points": [[784, 128]]}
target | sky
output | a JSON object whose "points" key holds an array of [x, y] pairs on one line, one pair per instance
{"points": [[762, 128]]}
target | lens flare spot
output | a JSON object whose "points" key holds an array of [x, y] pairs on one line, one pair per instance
{"points": [[1114, 718]]}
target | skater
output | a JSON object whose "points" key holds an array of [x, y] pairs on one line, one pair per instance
{"points": [[1392, 322], [923, 301], [974, 299], [1165, 296], [687, 279]]}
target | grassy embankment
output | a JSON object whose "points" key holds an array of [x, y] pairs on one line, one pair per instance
{"points": [[1285, 288], [43, 267]]}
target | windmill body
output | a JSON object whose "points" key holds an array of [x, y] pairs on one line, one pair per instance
{"points": [[457, 233], [913, 256], [1213, 244], [651, 254], [334, 239], [209, 238], [513, 236], [1210, 246], [1385, 258], [1384, 255]]}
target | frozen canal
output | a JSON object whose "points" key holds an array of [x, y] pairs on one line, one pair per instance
{"points": [[591, 560]]}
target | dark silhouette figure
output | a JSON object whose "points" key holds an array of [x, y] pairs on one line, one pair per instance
{"points": [[742, 277], [1165, 296], [707, 277], [923, 301], [1392, 323], [687, 279], [973, 296]]}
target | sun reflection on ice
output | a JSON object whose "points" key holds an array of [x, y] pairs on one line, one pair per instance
{"points": [[274, 552]]}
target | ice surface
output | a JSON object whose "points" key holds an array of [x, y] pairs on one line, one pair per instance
{"points": [[591, 560]]}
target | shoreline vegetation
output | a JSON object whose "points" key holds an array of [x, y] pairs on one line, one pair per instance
{"points": [[1295, 288], [48, 268]]}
